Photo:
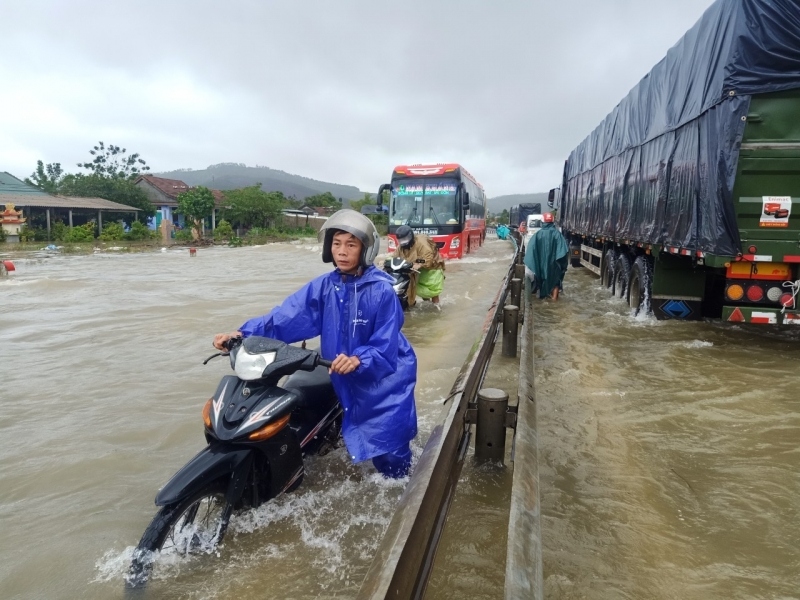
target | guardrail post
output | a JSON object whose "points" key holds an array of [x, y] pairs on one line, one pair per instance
{"points": [[510, 329], [490, 430], [515, 287], [519, 271]]}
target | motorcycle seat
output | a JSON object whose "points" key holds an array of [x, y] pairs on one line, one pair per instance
{"points": [[310, 386]]}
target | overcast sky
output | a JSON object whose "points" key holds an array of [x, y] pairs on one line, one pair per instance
{"points": [[336, 90]]}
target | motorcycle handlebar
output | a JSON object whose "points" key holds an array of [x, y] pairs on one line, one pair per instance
{"points": [[324, 363]]}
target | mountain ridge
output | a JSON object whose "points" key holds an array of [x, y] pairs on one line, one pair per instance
{"points": [[229, 176]]}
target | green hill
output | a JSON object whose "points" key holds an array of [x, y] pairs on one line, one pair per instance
{"points": [[229, 176]]}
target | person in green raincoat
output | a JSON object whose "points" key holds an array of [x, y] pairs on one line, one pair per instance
{"points": [[547, 256], [429, 282]]}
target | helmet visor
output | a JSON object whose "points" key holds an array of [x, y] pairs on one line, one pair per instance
{"points": [[406, 240]]}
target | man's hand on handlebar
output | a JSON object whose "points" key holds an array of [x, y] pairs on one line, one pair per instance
{"points": [[221, 338], [344, 364]]}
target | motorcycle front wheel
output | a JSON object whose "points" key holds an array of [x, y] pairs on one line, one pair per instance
{"points": [[194, 525]]}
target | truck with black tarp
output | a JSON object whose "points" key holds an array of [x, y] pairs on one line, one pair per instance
{"points": [[519, 213], [682, 199]]}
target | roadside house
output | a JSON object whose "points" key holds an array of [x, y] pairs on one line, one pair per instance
{"points": [[163, 193], [31, 200]]}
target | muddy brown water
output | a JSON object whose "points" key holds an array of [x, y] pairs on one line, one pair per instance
{"points": [[669, 461], [669, 452], [102, 387]]}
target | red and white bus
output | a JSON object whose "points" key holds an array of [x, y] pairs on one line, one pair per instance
{"points": [[442, 201]]}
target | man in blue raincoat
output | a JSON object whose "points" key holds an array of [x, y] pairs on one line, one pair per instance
{"points": [[546, 256], [358, 316]]}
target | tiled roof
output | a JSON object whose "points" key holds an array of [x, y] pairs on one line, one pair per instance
{"points": [[170, 187]]}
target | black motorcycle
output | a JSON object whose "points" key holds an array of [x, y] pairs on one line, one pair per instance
{"points": [[400, 269], [257, 433]]}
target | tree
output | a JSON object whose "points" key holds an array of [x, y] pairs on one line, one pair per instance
{"points": [[366, 200], [252, 207], [196, 204], [111, 161], [326, 199], [122, 191], [46, 178], [503, 218]]}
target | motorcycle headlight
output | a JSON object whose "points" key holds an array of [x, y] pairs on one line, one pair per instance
{"points": [[251, 366]]}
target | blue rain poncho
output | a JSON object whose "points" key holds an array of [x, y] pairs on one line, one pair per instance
{"points": [[547, 256], [357, 316]]}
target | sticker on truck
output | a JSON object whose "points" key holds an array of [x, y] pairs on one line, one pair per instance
{"points": [[775, 211]]}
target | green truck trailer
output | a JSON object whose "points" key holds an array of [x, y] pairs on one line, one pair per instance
{"points": [[686, 199]]}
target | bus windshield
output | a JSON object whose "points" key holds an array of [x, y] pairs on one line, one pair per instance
{"points": [[424, 201]]}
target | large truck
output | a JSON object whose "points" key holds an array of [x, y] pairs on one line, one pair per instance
{"points": [[519, 213], [682, 199]]}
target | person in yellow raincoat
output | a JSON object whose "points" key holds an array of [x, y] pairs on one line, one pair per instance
{"points": [[429, 282]]}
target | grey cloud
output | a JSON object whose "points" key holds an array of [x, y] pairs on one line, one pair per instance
{"points": [[345, 90]]}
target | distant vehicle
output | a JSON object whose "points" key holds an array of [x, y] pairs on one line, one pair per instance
{"points": [[665, 200], [519, 213], [534, 224], [442, 201]]}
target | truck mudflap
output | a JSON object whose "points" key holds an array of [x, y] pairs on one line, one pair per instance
{"points": [[760, 315], [677, 307]]}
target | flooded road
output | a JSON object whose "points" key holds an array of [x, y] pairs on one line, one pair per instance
{"points": [[669, 461], [669, 453], [102, 388]]}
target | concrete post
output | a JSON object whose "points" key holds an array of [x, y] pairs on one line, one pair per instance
{"points": [[510, 327], [519, 271], [47, 210], [99, 222], [70, 218], [515, 288], [490, 430]]}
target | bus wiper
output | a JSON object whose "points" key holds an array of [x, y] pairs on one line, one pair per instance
{"points": [[435, 218]]}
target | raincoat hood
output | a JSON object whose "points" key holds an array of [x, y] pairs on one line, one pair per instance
{"points": [[546, 255]]}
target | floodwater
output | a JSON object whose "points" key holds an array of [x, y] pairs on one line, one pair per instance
{"points": [[669, 452], [669, 461], [102, 386]]}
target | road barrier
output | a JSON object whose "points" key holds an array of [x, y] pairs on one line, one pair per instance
{"points": [[404, 558]]}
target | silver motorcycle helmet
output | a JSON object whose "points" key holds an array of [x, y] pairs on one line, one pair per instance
{"points": [[355, 223]]}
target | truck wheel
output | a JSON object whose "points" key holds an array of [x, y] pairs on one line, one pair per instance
{"points": [[622, 273], [639, 286], [573, 261], [607, 270]]}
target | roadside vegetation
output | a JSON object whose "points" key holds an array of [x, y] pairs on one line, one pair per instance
{"points": [[246, 216]]}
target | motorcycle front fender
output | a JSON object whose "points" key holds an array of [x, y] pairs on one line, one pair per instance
{"points": [[211, 463]]}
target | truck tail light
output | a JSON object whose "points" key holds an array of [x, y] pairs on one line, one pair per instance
{"points": [[734, 292], [755, 293], [787, 300], [774, 293]]}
